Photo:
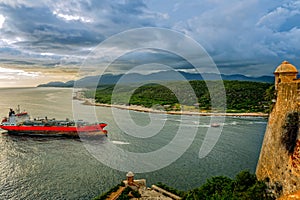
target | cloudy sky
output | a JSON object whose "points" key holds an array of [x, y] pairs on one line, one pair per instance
{"points": [[49, 39]]}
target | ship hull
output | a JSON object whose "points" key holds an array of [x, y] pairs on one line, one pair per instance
{"points": [[20, 124], [71, 131], [84, 135]]}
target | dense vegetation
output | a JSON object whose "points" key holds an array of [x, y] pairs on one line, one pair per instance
{"points": [[244, 186], [290, 132], [129, 193], [241, 96], [170, 189], [108, 193]]}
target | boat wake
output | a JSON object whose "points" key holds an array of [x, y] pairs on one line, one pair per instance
{"points": [[119, 142]]}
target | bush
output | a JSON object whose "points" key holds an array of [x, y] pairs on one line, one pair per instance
{"points": [[170, 189], [123, 197], [125, 194], [135, 194], [106, 194], [245, 186], [290, 132]]}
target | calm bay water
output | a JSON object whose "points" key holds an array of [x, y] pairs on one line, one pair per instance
{"points": [[60, 168]]}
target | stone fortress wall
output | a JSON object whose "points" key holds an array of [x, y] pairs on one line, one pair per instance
{"points": [[279, 163]]}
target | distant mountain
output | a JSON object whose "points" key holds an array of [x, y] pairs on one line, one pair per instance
{"points": [[58, 84], [90, 81]]}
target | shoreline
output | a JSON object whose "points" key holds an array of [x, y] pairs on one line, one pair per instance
{"points": [[91, 102]]}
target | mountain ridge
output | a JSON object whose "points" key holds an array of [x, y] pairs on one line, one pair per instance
{"points": [[108, 79]]}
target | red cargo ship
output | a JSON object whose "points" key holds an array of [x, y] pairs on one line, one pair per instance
{"points": [[20, 123]]}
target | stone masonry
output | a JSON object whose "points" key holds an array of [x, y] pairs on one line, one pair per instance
{"points": [[276, 164]]}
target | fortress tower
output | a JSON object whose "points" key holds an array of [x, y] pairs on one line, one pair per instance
{"points": [[279, 161], [285, 73]]}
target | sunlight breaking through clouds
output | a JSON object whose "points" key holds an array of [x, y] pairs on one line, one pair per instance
{"points": [[13, 74]]}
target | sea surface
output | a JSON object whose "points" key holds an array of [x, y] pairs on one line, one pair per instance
{"points": [[64, 168]]}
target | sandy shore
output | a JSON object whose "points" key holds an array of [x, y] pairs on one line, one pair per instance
{"points": [[91, 102]]}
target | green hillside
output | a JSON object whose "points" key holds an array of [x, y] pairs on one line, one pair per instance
{"points": [[241, 96]]}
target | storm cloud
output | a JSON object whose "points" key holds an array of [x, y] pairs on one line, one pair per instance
{"points": [[249, 37]]}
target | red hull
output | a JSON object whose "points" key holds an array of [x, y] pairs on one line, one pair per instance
{"points": [[96, 129]]}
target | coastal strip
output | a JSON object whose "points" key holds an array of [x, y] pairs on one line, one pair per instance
{"points": [[87, 101]]}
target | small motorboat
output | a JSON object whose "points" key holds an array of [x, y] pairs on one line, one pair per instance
{"points": [[215, 125]]}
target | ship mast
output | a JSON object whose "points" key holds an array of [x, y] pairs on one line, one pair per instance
{"points": [[18, 109]]}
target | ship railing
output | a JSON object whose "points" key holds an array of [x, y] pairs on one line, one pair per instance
{"points": [[8, 124]]}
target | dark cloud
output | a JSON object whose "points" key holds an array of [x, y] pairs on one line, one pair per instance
{"points": [[148, 57], [260, 32], [41, 26], [66, 28], [241, 36]]}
